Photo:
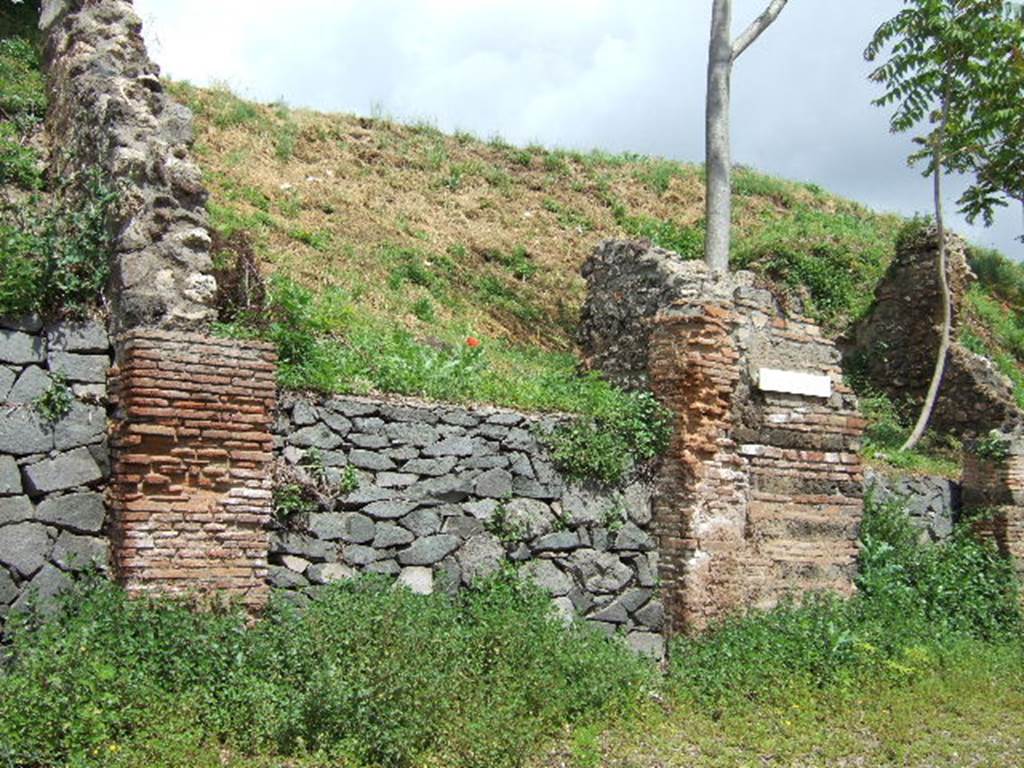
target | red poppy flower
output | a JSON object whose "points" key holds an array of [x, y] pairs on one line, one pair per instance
{"points": [[473, 341]]}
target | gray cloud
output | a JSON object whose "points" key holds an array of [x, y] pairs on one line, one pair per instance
{"points": [[614, 74]]}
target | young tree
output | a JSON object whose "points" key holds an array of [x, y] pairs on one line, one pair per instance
{"points": [[723, 52], [949, 67], [995, 156]]}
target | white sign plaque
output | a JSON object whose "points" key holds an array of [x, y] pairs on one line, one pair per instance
{"points": [[794, 382]]}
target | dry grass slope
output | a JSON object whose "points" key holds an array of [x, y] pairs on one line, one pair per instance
{"points": [[450, 235]]}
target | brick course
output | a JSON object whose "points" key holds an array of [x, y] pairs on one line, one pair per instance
{"points": [[191, 490], [761, 493], [995, 488]]}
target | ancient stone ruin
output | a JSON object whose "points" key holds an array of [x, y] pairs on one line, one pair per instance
{"points": [[895, 345], [164, 477], [993, 493], [760, 494], [110, 112]]}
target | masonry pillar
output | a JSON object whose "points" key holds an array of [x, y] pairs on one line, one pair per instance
{"points": [[993, 490], [760, 495], [191, 494], [189, 497]]}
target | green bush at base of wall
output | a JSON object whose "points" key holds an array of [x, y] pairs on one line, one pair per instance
{"points": [[373, 675], [918, 606], [369, 675]]}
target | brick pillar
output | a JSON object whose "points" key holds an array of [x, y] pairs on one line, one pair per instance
{"points": [[700, 501], [760, 494], [191, 488], [993, 488]]}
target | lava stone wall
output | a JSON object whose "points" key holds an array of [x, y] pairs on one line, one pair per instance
{"points": [[190, 496], [446, 495], [52, 468], [933, 503]]}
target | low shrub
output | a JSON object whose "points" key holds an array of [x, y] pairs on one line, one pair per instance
{"points": [[918, 605], [55, 258], [610, 440], [368, 675]]}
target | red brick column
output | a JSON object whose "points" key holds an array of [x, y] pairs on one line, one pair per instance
{"points": [[993, 488], [191, 490], [700, 499], [760, 494]]}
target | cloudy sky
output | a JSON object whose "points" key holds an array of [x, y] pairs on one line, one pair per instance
{"points": [[612, 74]]}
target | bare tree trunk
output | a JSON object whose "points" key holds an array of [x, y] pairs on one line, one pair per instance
{"points": [[722, 52], [718, 160], [947, 311]]}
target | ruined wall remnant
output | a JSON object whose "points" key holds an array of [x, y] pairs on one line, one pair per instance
{"points": [[54, 459], [993, 489], [191, 495], [108, 112], [894, 346], [760, 494], [445, 496], [628, 283], [932, 502]]}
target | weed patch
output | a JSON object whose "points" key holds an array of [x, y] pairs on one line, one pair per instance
{"points": [[54, 258], [368, 675], [828, 261], [887, 431], [918, 605]]}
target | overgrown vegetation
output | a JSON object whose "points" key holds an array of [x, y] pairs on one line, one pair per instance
{"points": [[374, 675], [887, 431], [325, 344], [994, 315], [618, 432], [369, 675], [918, 607], [53, 242], [54, 254]]}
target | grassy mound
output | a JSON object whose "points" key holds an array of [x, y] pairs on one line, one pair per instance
{"points": [[449, 236]]}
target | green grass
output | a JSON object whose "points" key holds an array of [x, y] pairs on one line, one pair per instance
{"points": [[829, 260], [325, 344], [969, 712], [369, 675], [657, 174], [923, 666], [747, 182], [888, 430], [688, 242], [22, 88], [993, 323]]}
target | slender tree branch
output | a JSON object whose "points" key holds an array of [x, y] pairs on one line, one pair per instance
{"points": [[757, 26], [947, 311]]}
